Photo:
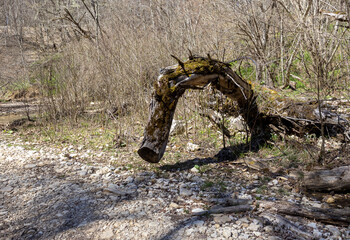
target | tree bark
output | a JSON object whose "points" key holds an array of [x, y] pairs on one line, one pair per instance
{"points": [[336, 179], [338, 216]]}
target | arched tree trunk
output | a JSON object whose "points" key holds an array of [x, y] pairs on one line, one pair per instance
{"points": [[277, 114]]}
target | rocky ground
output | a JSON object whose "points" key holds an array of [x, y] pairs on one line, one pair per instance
{"points": [[55, 193]]}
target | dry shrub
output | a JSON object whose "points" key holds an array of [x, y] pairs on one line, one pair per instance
{"points": [[115, 64], [116, 70]]}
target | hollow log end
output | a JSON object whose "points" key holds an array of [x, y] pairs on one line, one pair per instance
{"points": [[148, 155]]}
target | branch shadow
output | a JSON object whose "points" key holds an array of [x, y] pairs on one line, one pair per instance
{"points": [[227, 154]]}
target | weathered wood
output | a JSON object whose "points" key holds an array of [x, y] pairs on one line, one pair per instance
{"points": [[226, 210], [276, 112], [157, 130], [338, 216], [231, 201], [284, 223], [336, 179]]}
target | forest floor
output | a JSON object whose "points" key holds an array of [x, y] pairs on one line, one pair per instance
{"points": [[70, 190]]}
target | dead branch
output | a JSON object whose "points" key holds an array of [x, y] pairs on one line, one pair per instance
{"points": [[336, 179], [337, 216]]}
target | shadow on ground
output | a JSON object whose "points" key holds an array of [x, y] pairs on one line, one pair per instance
{"points": [[50, 212], [228, 154]]}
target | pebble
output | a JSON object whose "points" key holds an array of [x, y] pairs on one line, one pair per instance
{"points": [[197, 210], [184, 191], [334, 230], [227, 233], [126, 204], [107, 234], [312, 225], [6, 189], [254, 226], [244, 236], [317, 234], [83, 173], [129, 179], [29, 166], [173, 205], [330, 199], [189, 231], [220, 219], [192, 147], [268, 229]]}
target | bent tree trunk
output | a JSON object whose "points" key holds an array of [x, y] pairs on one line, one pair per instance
{"points": [[276, 114]]}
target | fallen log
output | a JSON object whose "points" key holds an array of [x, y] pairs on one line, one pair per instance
{"points": [[286, 115], [283, 223], [336, 179], [337, 216]]}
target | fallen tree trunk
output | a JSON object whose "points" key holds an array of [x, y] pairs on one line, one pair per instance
{"points": [[338, 216], [283, 223], [276, 114], [336, 179]]}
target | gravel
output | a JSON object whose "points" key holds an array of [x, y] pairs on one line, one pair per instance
{"points": [[48, 193]]}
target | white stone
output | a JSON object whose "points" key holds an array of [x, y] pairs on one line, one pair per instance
{"points": [[29, 166], [103, 170], [227, 233], [177, 127], [83, 173], [6, 189], [317, 234], [254, 227], [244, 236], [312, 225], [197, 210], [185, 191], [192, 147], [173, 205], [237, 123], [107, 234], [220, 219], [189, 231], [195, 170], [129, 179], [268, 229]]}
